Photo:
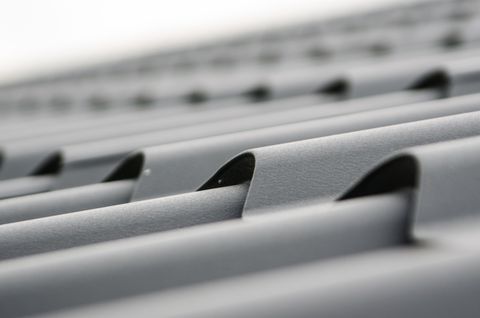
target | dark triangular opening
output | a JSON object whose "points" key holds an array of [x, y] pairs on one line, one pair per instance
{"points": [[435, 80], [338, 88], [52, 165], [131, 168], [397, 174], [237, 171]]}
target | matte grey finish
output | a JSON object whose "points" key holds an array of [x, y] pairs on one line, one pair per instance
{"points": [[191, 256], [359, 151], [20, 157], [438, 172], [122, 221], [436, 278], [441, 266], [190, 163], [61, 124], [184, 257], [91, 162], [440, 288], [329, 214], [413, 282], [326, 167], [68, 200], [456, 77], [285, 83], [366, 79], [26, 185]]}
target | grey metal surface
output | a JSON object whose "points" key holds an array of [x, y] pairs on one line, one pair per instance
{"points": [[190, 163], [21, 157], [358, 152], [439, 242], [396, 283], [26, 185], [69, 200], [116, 222], [316, 175], [191, 256], [322, 169], [97, 159], [269, 175], [200, 254]]}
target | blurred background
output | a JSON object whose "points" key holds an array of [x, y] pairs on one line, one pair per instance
{"points": [[43, 36]]}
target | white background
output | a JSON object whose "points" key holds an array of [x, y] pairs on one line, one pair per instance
{"points": [[41, 35]]}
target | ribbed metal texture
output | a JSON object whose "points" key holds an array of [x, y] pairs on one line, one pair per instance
{"points": [[330, 169]]}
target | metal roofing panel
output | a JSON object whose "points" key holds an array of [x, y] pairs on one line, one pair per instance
{"points": [[270, 175]]}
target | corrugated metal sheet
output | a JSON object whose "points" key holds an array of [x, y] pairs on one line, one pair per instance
{"points": [[325, 170]]}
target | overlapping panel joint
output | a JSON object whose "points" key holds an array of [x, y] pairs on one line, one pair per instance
{"points": [[327, 169]]}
